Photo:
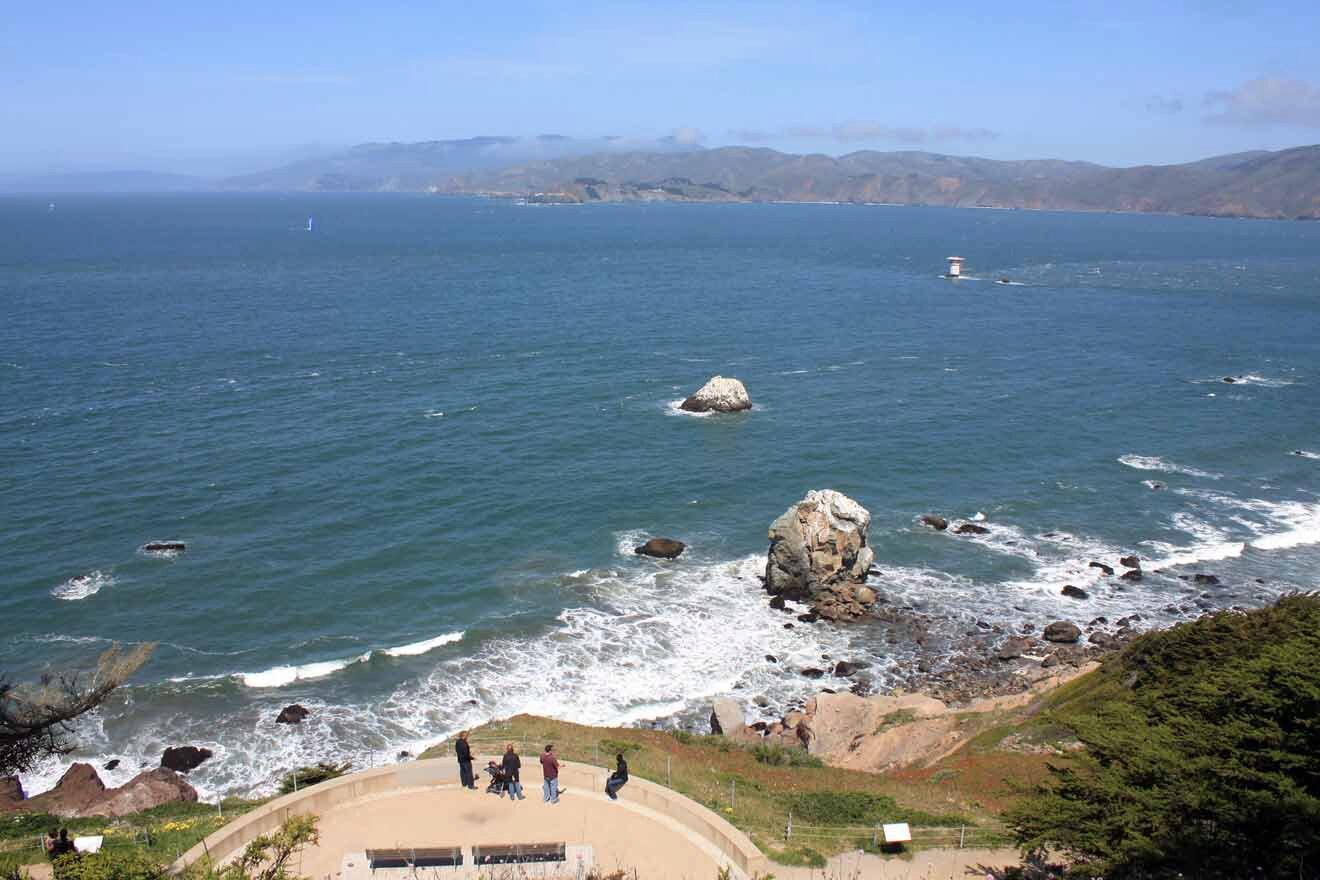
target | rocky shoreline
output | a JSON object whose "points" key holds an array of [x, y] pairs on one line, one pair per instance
{"points": [[820, 561]]}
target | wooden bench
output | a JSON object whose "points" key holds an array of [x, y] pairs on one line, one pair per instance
{"points": [[518, 853], [416, 857]]}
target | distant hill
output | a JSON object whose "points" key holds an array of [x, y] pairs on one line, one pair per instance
{"points": [[1282, 184], [417, 167], [105, 182]]}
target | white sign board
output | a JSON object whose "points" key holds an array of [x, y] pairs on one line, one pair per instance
{"points": [[88, 844], [898, 833]]}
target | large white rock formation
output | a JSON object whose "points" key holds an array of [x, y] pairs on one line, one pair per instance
{"points": [[819, 554], [719, 395]]}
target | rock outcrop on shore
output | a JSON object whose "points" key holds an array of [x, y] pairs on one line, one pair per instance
{"points": [[819, 555], [11, 793], [81, 793], [720, 394], [726, 719]]}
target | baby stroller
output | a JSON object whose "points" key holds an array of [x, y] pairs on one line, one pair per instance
{"points": [[497, 778]]}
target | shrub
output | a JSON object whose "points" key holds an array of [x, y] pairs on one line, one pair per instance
{"points": [[265, 858], [778, 756], [797, 856], [1202, 753], [861, 808], [615, 746], [305, 776], [123, 864]]}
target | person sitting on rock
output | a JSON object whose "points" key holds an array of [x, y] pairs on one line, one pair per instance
{"points": [[618, 779]]}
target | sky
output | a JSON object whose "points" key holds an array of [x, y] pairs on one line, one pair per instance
{"points": [[218, 88]]}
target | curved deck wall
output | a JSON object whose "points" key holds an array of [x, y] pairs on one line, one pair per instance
{"points": [[225, 843]]}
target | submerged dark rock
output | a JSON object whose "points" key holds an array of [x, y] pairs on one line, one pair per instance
{"points": [[1133, 575], [1132, 561], [1207, 579], [1062, 631], [181, 759], [1108, 571], [164, 547], [661, 548], [938, 523], [1074, 592], [293, 714], [1013, 648], [970, 529]]}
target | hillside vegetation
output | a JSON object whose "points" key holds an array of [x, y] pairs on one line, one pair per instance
{"points": [[1202, 753]]}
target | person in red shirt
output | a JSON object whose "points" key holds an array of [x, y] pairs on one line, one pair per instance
{"points": [[550, 768]]}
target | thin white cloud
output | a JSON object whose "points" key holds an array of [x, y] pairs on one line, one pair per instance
{"points": [[1162, 106], [869, 131], [1266, 102]]}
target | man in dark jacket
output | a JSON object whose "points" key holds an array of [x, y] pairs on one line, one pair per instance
{"points": [[464, 754], [550, 770], [618, 779], [512, 764]]}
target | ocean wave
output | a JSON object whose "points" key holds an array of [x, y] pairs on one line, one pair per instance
{"points": [[1302, 453], [1155, 463], [1250, 379], [416, 648], [75, 640], [82, 586], [279, 676], [675, 408], [1274, 525], [160, 554]]}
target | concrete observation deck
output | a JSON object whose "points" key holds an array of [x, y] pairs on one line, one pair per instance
{"points": [[650, 828]]}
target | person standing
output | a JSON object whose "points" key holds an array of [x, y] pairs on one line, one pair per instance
{"points": [[64, 846], [550, 769], [463, 752], [513, 780], [618, 779]]}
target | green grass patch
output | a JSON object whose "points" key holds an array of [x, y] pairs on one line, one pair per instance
{"points": [[862, 808], [796, 857], [778, 756], [619, 746]]}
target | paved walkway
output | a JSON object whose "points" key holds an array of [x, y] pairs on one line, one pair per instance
{"points": [[931, 864], [622, 835]]}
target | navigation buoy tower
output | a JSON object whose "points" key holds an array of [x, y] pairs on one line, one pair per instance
{"points": [[955, 267]]}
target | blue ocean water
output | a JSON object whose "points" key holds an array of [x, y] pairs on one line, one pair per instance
{"points": [[410, 452]]}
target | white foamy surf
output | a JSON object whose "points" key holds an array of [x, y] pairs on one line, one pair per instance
{"points": [[1155, 463], [653, 642], [82, 586]]}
